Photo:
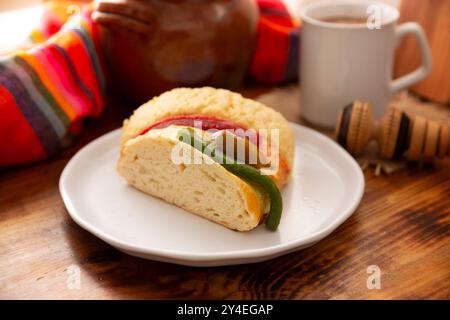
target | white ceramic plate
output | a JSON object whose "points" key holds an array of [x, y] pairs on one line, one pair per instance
{"points": [[325, 189]]}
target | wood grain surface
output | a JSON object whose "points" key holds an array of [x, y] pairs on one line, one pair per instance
{"points": [[402, 225]]}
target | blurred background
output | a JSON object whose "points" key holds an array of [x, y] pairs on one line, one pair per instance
{"points": [[18, 17]]}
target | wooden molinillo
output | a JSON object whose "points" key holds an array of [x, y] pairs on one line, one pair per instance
{"points": [[397, 134]]}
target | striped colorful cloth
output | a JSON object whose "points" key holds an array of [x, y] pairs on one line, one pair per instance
{"points": [[47, 90], [277, 47]]}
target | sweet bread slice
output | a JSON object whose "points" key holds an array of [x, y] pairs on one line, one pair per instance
{"points": [[207, 190], [237, 194]]}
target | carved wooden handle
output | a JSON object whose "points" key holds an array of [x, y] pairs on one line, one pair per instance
{"points": [[131, 16], [398, 134]]}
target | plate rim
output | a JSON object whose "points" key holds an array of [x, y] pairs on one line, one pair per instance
{"points": [[235, 254]]}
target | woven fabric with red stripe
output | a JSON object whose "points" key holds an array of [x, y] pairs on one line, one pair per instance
{"points": [[49, 88]]}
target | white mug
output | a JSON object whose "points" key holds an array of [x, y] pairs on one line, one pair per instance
{"points": [[342, 62]]}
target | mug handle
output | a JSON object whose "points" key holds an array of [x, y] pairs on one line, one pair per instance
{"points": [[424, 70]]}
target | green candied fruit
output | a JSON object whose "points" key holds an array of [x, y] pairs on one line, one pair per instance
{"points": [[243, 171]]}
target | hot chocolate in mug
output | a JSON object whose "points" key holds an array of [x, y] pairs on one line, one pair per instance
{"points": [[343, 59]]}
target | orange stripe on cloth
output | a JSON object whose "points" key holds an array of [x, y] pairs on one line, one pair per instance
{"points": [[49, 84], [74, 46]]}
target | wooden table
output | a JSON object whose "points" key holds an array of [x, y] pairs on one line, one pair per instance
{"points": [[402, 226]]}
